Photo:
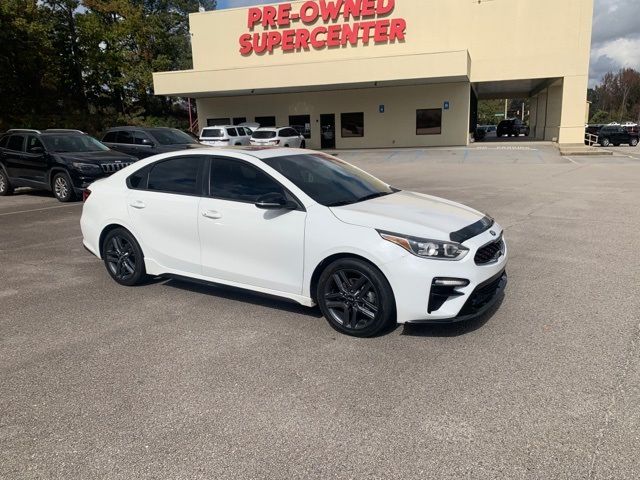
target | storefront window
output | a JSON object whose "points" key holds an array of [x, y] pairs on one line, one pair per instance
{"points": [[352, 124], [266, 121], [302, 124], [239, 120], [429, 122], [215, 122]]}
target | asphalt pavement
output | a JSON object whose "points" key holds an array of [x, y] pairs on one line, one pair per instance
{"points": [[179, 381]]}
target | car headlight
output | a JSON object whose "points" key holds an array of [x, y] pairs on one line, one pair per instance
{"points": [[425, 248], [87, 167]]}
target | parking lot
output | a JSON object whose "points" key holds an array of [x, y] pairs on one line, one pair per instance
{"points": [[180, 381]]}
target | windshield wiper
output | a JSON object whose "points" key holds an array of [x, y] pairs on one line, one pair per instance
{"points": [[360, 200]]}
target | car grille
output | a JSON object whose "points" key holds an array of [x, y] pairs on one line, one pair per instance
{"points": [[483, 295], [490, 253], [114, 167]]}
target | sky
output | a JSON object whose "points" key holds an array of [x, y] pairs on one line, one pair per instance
{"points": [[616, 34]]}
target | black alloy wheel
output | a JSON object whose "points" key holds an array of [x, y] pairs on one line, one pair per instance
{"points": [[355, 298], [5, 186], [123, 258], [62, 187]]}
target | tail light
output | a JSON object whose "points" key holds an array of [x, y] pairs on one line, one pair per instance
{"points": [[85, 194]]}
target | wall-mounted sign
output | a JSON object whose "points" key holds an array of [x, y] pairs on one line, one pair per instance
{"points": [[322, 24], [446, 105]]}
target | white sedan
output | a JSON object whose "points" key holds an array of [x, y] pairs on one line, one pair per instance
{"points": [[301, 225]]}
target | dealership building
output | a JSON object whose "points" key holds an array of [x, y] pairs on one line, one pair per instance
{"points": [[389, 73]]}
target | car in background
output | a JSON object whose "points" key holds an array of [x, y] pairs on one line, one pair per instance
{"points": [[278, 137], [301, 225], [142, 142], [250, 126], [617, 135], [225, 136], [513, 127], [65, 162]]}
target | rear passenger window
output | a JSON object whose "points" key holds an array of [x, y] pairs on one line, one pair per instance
{"points": [[125, 137], [139, 180], [110, 137], [178, 175], [16, 142], [3, 141], [232, 132]]}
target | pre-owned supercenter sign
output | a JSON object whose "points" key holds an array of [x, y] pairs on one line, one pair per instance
{"points": [[322, 24]]}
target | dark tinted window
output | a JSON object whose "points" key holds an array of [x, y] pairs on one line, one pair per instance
{"points": [[232, 132], [352, 124], [262, 134], [171, 136], [139, 179], [266, 121], [110, 137], [302, 124], [141, 138], [288, 132], [329, 180], [242, 131], [239, 120], [241, 182], [16, 142], [212, 132], [3, 141], [429, 121], [214, 122], [178, 175], [34, 142], [125, 136]]}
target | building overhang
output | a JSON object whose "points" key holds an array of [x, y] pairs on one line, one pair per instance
{"points": [[427, 68]]}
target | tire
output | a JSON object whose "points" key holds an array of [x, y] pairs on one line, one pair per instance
{"points": [[303, 145], [633, 142], [5, 185], [605, 142], [63, 188], [123, 258], [355, 298]]}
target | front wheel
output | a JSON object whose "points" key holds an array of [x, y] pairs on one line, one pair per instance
{"points": [[356, 298], [63, 188], [5, 185], [123, 258], [605, 142], [633, 142]]}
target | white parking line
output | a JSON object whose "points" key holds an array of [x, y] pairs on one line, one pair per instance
{"points": [[40, 209], [573, 161]]}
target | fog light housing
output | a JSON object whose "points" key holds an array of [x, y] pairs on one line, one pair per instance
{"points": [[442, 289]]}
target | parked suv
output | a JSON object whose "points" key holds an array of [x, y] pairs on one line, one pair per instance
{"points": [[225, 136], [512, 128], [278, 136], [62, 161], [617, 135], [143, 142]]}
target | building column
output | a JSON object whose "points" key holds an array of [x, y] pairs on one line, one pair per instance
{"points": [[574, 101]]}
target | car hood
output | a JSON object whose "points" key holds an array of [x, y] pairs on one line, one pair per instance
{"points": [[410, 213], [97, 157]]}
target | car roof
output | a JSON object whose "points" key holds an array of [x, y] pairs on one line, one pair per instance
{"points": [[221, 126], [129, 127]]}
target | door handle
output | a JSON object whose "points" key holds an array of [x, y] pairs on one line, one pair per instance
{"points": [[139, 204], [212, 214]]}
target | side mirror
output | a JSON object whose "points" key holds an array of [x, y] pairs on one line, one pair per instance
{"points": [[275, 201], [36, 150], [147, 142]]}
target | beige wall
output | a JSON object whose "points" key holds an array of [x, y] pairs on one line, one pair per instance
{"points": [[395, 127], [446, 41]]}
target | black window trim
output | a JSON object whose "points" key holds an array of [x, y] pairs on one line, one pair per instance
{"points": [[207, 187], [202, 174]]}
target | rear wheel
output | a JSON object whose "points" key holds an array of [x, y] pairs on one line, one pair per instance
{"points": [[5, 185], [62, 187], [605, 142], [355, 298], [633, 142], [123, 258]]}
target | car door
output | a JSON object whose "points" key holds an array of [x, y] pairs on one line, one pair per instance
{"points": [[14, 156], [163, 207], [243, 244], [34, 160]]}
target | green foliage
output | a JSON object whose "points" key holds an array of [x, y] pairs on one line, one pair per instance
{"points": [[88, 63], [617, 98]]}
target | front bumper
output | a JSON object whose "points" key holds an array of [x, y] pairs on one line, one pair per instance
{"points": [[411, 279]]}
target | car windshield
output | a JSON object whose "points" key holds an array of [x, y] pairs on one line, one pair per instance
{"points": [[212, 133], [328, 180], [72, 143], [171, 136], [264, 134]]}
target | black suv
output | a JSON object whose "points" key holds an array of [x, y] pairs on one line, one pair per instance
{"points": [[512, 127], [142, 142], [616, 135], [62, 161]]}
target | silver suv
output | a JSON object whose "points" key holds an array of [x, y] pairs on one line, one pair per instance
{"points": [[225, 136], [278, 136]]}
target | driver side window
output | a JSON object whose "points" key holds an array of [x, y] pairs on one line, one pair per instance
{"points": [[34, 142], [240, 182]]}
